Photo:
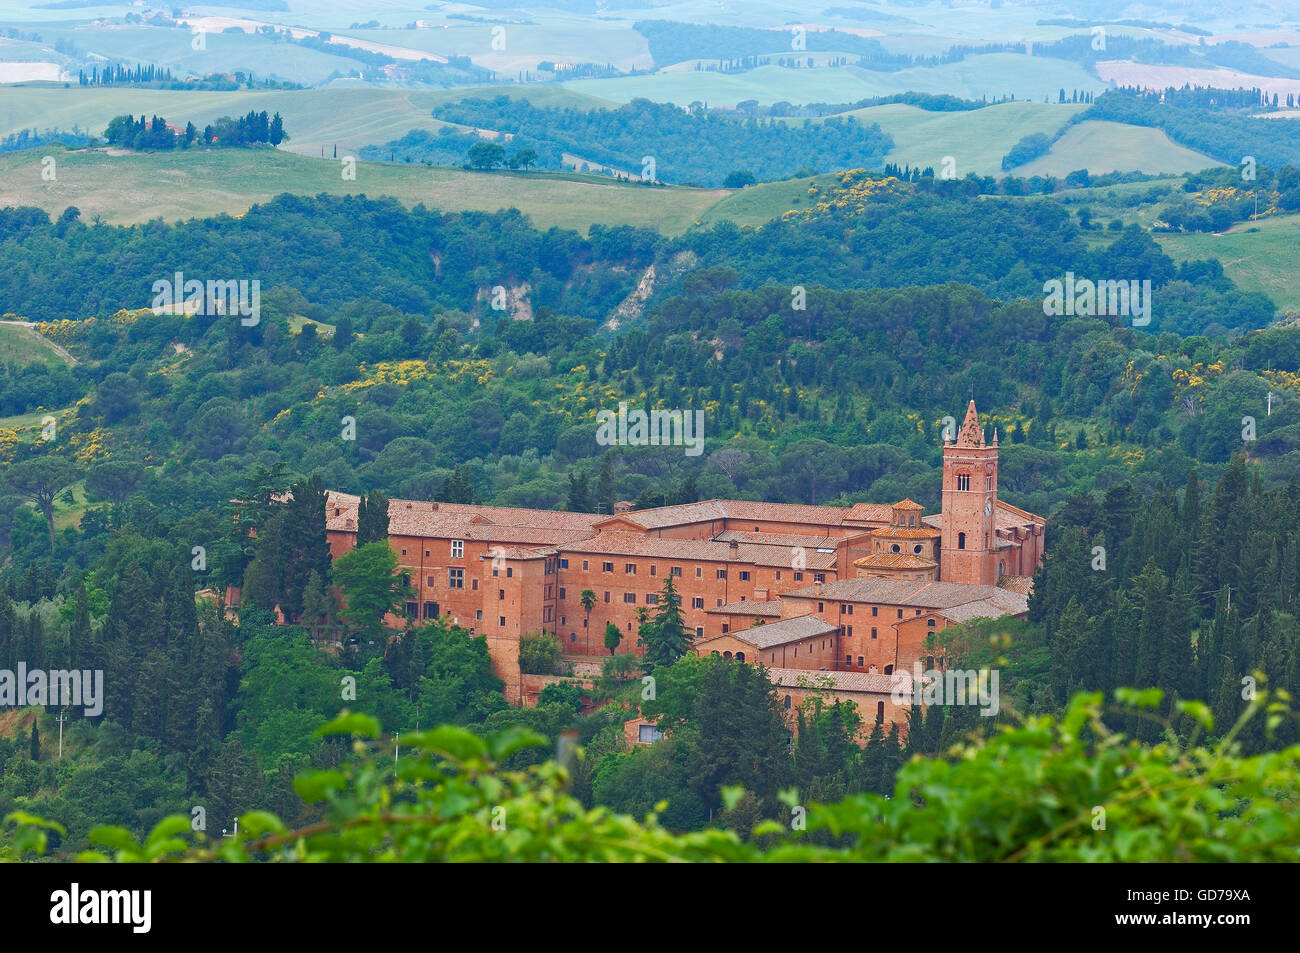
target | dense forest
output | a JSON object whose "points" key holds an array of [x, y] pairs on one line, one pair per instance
{"points": [[685, 146], [825, 350]]}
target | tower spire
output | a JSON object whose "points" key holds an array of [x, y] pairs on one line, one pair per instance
{"points": [[971, 433]]}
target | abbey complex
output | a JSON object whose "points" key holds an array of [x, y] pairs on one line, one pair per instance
{"points": [[821, 595]]}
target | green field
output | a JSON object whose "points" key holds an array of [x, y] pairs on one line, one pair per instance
{"points": [[992, 75], [768, 200], [223, 53], [976, 139], [22, 345], [1100, 147], [1255, 255], [316, 119], [200, 183]]}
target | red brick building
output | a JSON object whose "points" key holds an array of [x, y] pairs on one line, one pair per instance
{"points": [[796, 587]]}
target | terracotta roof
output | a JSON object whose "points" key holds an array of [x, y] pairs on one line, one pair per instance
{"points": [[635, 544], [876, 684], [894, 561], [903, 532], [517, 552], [1021, 584], [1025, 516], [1007, 517], [982, 609], [908, 504], [869, 513], [465, 521], [777, 539], [915, 594], [750, 607], [661, 517], [784, 632]]}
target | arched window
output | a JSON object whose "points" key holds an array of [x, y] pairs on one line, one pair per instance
{"points": [[740, 656], [963, 481], [726, 655], [715, 652], [889, 670], [961, 540]]}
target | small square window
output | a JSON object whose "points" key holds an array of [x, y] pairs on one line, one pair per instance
{"points": [[629, 569], [798, 577], [722, 574], [629, 597], [457, 549], [697, 602], [744, 576], [606, 567], [675, 571], [564, 564]]}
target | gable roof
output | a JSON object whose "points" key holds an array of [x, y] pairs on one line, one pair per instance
{"points": [[773, 634], [917, 594], [873, 683]]}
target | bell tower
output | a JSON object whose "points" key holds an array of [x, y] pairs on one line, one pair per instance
{"points": [[970, 502]]}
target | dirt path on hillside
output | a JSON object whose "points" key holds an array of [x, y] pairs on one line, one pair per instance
{"points": [[57, 348]]}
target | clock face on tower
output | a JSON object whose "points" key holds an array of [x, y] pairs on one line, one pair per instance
{"points": [[988, 507]]}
